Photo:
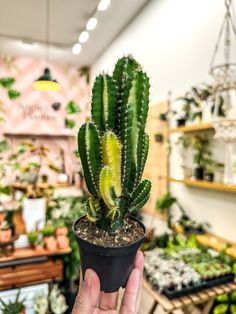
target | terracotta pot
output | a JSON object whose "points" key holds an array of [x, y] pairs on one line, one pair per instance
{"points": [[39, 247], [5, 235], [51, 243], [63, 242], [48, 239], [61, 231]]}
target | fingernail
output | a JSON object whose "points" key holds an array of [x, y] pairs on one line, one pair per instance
{"points": [[88, 279]]}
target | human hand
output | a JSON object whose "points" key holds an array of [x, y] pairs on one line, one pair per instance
{"points": [[91, 301]]}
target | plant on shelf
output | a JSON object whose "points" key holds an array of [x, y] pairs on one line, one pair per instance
{"points": [[54, 303], [33, 237], [72, 108], [13, 307], [184, 144], [113, 148], [189, 109], [188, 225], [5, 188], [159, 137], [200, 153], [210, 167]]}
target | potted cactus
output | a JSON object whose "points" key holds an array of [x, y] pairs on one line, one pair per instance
{"points": [[113, 148]]}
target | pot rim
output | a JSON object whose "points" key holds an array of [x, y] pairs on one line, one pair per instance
{"points": [[110, 247]]}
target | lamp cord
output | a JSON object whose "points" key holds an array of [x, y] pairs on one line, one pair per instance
{"points": [[47, 28]]}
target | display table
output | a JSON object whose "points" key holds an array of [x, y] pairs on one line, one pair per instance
{"points": [[204, 298], [26, 266]]}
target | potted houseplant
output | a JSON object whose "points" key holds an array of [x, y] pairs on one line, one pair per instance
{"points": [[33, 238], [113, 149], [13, 307], [48, 237], [5, 232], [200, 151], [183, 145]]}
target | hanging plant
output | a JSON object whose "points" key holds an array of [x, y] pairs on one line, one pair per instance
{"points": [[71, 108]]}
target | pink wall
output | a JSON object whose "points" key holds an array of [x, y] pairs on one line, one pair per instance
{"points": [[32, 112]]}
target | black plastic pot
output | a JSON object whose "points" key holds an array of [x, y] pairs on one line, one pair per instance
{"points": [[113, 265], [209, 177], [180, 122], [199, 173]]}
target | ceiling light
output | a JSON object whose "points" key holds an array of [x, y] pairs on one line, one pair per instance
{"points": [[76, 49], [103, 5], [46, 83], [83, 37], [92, 23]]}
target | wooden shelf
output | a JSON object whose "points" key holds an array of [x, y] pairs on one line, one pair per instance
{"points": [[206, 185], [192, 128], [41, 135], [217, 243], [205, 295]]}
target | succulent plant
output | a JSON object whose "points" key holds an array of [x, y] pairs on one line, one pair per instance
{"points": [[12, 307], [113, 146]]}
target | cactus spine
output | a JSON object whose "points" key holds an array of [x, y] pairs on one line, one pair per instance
{"points": [[113, 147]]}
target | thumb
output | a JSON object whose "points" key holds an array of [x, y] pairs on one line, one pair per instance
{"points": [[88, 295]]}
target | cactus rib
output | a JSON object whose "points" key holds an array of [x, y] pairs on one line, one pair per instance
{"points": [[103, 108], [89, 151]]}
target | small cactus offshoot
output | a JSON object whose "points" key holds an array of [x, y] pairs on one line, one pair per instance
{"points": [[113, 146]]}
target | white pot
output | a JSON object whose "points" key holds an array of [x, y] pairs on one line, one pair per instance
{"points": [[34, 213]]}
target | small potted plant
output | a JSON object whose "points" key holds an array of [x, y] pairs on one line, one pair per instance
{"points": [[13, 307], [61, 235], [48, 237], [61, 229], [200, 149], [5, 232], [113, 149], [33, 237], [39, 245]]}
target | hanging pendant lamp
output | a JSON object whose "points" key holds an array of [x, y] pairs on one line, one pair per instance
{"points": [[46, 82]]}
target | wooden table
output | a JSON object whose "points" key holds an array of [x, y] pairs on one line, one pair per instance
{"points": [[27, 266], [204, 298]]}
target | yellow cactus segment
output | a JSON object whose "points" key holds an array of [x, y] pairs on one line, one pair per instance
{"points": [[111, 154], [106, 190], [93, 210]]}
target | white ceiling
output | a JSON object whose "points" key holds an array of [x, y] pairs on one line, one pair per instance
{"points": [[24, 21]]}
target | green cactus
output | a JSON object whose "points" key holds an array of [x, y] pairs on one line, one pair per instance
{"points": [[113, 147]]}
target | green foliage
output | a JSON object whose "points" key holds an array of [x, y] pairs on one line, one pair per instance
{"points": [[69, 123], [48, 230], [13, 94], [4, 146], [12, 307], [159, 137], [33, 237], [72, 107], [7, 82], [113, 147], [165, 202], [67, 209]]}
